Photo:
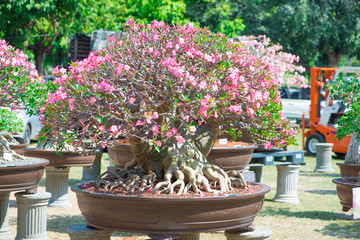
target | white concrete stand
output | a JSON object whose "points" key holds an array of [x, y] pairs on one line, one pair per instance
{"points": [[323, 157], [257, 168], [32, 215], [57, 181], [92, 173], [5, 233], [287, 182], [83, 232], [260, 233]]}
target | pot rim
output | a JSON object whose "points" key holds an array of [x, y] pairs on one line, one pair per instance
{"points": [[50, 151], [39, 162], [75, 188], [252, 146], [337, 181], [348, 164]]}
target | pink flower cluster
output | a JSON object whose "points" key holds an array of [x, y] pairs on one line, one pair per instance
{"points": [[16, 72]]}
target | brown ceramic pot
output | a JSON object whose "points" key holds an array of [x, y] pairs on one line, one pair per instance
{"points": [[344, 188], [18, 148], [349, 170], [231, 158], [120, 155], [60, 159], [168, 215], [22, 174]]}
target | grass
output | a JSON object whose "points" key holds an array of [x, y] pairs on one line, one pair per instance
{"points": [[318, 216]]}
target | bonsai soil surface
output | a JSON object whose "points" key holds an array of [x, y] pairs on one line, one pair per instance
{"points": [[350, 180], [231, 143], [91, 187]]}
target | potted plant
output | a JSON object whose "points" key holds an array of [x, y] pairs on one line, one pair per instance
{"points": [[61, 157], [348, 91], [167, 91], [17, 78]]}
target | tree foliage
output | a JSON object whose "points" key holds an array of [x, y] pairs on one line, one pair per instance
{"points": [[321, 30], [37, 24]]}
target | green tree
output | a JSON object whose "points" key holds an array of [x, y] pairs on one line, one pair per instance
{"points": [[219, 15], [325, 30], [318, 30], [36, 24]]}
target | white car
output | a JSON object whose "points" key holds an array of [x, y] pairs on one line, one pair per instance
{"points": [[295, 102], [31, 127]]}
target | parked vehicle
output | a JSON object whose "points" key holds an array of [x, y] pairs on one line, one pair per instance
{"points": [[31, 126], [323, 114], [295, 102]]}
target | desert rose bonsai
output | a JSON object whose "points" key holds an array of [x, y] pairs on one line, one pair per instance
{"points": [[18, 81], [169, 91], [348, 91]]}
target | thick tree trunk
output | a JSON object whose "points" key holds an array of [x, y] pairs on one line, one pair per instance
{"points": [[353, 152], [333, 58], [39, 53], [179, 165]]}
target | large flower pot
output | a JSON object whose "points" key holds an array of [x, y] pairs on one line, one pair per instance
{"points": [[349, 170], [344, 188], [57, 173], [18, 148], [163, 215], [60, 159], [231, 157], [22, 174], [120, 154], [15, 176]]}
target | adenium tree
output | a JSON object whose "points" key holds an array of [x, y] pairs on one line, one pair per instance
{"points": [[170, 91], [18, 82], [348, 91]]}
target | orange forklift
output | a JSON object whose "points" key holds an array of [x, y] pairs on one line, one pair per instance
{"points": [[324, 111]]}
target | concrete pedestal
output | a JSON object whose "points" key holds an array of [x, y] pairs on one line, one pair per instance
{"points": [[323, 157], [32, 215], [259, 233], [57, 181], [92, 173], [258, 172], [287, 181], [82, 232], [5, 233]]}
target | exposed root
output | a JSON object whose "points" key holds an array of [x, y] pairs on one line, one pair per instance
{"points": [[236, 177], [179, 178]]}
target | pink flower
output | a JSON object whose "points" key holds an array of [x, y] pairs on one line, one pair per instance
{"points": [[268, 145], [103, 145], [155, 129], [169, 134], [102, 128], [107, 87], [131, 100], [155, 115], [179, 139], [138, 123], [114, 129], [202, 85], [158, 143]]}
